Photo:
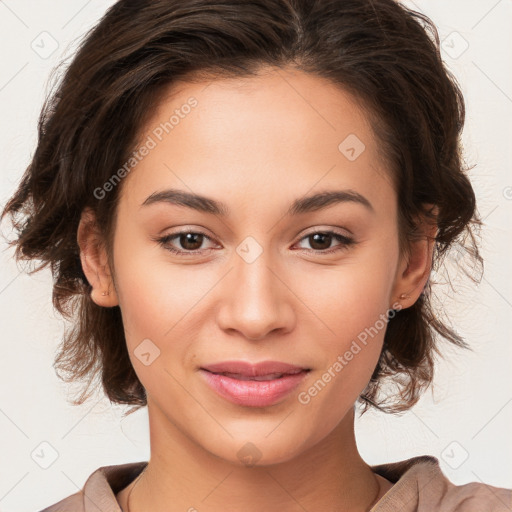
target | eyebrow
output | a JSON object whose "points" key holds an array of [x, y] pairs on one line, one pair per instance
{"points": [[299, 206]]}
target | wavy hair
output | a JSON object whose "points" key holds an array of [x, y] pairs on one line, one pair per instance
{"points": [[385, 55]]}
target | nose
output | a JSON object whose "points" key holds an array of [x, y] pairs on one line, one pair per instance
{"points": [[256, 300]]}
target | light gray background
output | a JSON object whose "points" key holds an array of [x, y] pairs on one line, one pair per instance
{"points": [[466, 422]]}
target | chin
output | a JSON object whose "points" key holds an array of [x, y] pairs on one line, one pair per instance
{"points": [[260, 449]]}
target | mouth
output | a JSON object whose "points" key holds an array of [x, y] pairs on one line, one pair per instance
{"points": [[258, 385], [269, 376], [274, 369]]}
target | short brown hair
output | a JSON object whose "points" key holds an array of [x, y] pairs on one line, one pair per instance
{"points": [[384, 54]]}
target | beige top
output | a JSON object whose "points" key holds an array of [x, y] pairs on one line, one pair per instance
{"points": [[419, 486]]}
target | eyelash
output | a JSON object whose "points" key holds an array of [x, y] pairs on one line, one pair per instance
{"points": [[345, 241]]}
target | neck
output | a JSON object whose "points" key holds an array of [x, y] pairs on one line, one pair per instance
{"points": [[331, 476]]}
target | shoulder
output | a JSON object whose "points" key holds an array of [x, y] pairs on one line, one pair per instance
{"points": [[100, 489], [420, 485], [477, 496]]}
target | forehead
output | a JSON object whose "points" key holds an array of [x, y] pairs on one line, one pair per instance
{"points": [[282, 131]]}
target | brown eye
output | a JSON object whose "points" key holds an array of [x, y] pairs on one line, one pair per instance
{"points": [[186, 242], [190, 241], [320, 242]]}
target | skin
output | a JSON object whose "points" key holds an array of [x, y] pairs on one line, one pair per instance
{"points": [[256, 144]]}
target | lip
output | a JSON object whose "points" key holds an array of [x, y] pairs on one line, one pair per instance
{"points": [[239, 389], [252, 370]]}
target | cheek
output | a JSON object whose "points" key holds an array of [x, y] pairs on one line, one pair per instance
{"points": [[353, 297], [154, 297], [353, 303], [349, 357]]}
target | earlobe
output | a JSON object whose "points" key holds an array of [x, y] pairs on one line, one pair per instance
{"points": [[93, 257]]}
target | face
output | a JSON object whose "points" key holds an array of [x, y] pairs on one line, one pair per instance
{"points": [[256, 280]]}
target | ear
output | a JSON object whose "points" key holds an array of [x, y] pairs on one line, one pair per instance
{"points": [[415, 266], [94, 260]]}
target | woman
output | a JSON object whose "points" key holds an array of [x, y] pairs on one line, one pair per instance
{"points": [[193, 159]]}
